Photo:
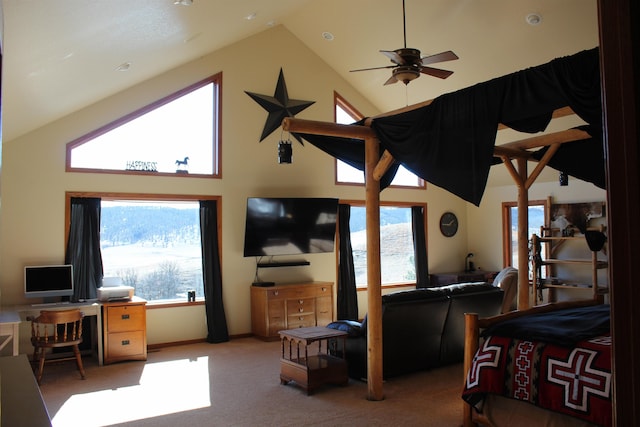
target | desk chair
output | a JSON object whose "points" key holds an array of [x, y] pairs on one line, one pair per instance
{"points": [[56, 328]]}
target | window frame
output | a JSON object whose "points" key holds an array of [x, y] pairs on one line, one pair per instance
{"points": [[215, 79], [507, 222], [146, 197], [362, 203], [340, 101]]}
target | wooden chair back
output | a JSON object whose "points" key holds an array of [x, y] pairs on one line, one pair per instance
{"points": [[57, 328]]}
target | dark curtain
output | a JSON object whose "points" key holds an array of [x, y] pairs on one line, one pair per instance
{"points": [[347, 296], [420, 247], [450, 142], [211, 273], [83, 248]]}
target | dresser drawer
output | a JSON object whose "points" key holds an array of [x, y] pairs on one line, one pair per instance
{"points": [[301, 305], [304, 320], [126, 318], [125, 344], [291, 293]]}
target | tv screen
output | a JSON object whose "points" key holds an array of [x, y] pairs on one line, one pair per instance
{"points": [[47, 281], [289, 226]]}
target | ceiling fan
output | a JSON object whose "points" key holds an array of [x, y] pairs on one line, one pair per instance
{"points": [[409, 64]]}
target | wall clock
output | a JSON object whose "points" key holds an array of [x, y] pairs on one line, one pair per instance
{"points": [[448, 224]]}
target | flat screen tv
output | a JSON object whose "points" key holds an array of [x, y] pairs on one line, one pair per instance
{"points": [[289, 226], [48, 281]]}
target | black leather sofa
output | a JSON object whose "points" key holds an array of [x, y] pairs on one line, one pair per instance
{"points": [[421, 328]]}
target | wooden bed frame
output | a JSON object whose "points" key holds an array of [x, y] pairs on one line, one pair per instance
{"points": [[376, 166], [473, 326]]}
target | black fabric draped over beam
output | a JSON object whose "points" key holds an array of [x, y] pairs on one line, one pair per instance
{"points": [[450, 142]]}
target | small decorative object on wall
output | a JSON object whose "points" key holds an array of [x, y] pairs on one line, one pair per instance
{"points": [[448, 224], [285, 152], [563, 178], [181, 165], [279, 106]]}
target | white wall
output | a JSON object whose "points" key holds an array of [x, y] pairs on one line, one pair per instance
{"points": [[34, 180]]}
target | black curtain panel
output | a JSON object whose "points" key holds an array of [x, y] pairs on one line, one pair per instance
{"points": [[211, 273], [450, 142], [83, 248], [347, 303], [420, 247]]}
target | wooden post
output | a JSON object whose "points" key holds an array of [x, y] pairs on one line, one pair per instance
{"points": [[471, 337], [374, 286], [523, 237]]}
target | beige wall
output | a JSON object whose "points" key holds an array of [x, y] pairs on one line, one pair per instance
{"points": [[34, 181]]}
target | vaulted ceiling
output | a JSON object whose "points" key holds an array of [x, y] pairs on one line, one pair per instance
{"points": [[60, 56]]}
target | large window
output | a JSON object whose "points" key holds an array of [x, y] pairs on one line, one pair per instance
{"points": [[347, 174], [178, 135], [152, 242], [397, 259]]}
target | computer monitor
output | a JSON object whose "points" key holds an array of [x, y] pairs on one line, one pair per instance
{"points": [[48, 281]]}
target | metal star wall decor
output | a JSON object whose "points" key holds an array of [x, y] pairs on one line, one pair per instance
{"points": [[279, 106]]}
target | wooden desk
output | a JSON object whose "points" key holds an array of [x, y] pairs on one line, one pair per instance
{"points": [[10, 330], [308, 367], [442, 279], [22, 404], [92, 309]]}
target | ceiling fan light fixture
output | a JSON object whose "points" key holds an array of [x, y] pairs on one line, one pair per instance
{"points": [[406, 74]]}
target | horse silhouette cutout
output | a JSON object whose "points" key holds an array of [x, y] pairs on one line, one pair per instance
{"points": [[184, 162]]}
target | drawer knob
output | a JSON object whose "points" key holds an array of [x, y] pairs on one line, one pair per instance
{"points": [[301, 318], [125, 317], [324, 289], [275, 293], [125, 342], [301, 301], [301, 310]]}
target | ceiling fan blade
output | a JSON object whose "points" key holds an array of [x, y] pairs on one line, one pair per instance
{"points": [[436, 72], [393, 56], [374, 68], [391, 80], [439, 57]]}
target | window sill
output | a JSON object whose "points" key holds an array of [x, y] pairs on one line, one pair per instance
{"points": [[389, 286], [173, 303]]}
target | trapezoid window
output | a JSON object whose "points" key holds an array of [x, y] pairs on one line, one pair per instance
{"points": [[177, 135]]}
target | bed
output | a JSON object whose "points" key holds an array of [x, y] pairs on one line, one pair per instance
{"points": [[549, 365], [450, 142]]}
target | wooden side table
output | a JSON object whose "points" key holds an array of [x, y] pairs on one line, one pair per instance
{"points": [[310, 366]]}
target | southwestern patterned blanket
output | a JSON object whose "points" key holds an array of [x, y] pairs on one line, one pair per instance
{"points": [[573, 380]]}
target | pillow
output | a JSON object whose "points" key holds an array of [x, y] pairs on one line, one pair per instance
{"points": [[507, 280], [353, 328]]}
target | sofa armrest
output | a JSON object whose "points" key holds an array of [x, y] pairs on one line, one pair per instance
{"points": [[352, 327]]}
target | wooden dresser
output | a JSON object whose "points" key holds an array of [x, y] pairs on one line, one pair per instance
{"points": [[125, 330], [299, 305]]}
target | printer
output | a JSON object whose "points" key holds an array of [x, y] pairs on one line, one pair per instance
{"points": [[112, 289]]}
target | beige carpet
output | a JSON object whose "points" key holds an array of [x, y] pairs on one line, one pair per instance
{"points": [[237, 384]]}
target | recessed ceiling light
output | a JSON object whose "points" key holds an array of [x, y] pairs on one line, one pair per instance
{"points": [[533, 18], [327, 36], [183, 2], [251, 16], [271, 24], [124, 66]]}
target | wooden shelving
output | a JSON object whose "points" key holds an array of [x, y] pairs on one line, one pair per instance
{"points": [[553, 244]]}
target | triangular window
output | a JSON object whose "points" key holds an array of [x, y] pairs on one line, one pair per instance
{"points": [[177, 135]]}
